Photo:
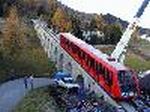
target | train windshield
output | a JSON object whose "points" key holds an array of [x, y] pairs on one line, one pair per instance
{"points": [[127, 82]]}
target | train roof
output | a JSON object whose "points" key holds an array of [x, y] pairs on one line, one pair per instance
{"points": [[94, 51]]}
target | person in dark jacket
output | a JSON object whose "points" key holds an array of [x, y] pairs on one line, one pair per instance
{"points": [[26, 82]]}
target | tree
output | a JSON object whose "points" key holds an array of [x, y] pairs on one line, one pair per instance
{"points": [[112, 33], [14, 32], [53, 6], [97, 22], [76, 27], [61, 21]]}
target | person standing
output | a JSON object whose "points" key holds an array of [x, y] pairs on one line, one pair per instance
{"points": [[31, 81], [26, 82]]}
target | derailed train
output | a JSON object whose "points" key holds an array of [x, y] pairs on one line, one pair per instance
{"points": [[116, 79]]}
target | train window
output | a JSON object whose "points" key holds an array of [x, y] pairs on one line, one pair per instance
{"points": [[100, 67], [126, 81], [97, 67], [86, 59], [69, 46], [89, 62], [103, 70], [83, 55], [79, 53], [111, 78], [105, 73], [73, 49], [125, 76], [108, 77], [93, 63], [62, 40], [66, 43]]}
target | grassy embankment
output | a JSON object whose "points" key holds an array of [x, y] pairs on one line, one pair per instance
{"points": [[136, 62], [138, 56], [37, 100]]}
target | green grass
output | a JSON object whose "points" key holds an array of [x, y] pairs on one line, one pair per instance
{"points": [[136, 62], [37, 101]]}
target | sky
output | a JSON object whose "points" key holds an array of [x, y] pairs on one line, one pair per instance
{"points": [[125, 9]]}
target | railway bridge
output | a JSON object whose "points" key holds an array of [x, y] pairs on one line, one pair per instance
{"points": [[64, 61]]}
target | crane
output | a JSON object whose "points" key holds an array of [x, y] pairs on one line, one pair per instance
{"points": [[119, 53]]}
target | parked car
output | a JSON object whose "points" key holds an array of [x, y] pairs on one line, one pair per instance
{"points": [[64, 80]]}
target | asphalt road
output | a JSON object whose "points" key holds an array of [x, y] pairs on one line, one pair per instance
{"points": [[13, 91]]}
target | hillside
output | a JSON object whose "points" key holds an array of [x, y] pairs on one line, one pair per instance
{"points": [[47, 8], [108, 19]]}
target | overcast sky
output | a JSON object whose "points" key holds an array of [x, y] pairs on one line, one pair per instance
{"points": [[124, 9]]}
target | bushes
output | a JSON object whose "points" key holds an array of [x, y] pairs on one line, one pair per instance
{"points": [[30, 61]]}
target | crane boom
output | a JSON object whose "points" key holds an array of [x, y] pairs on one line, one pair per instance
{"points": [[120, 49]]}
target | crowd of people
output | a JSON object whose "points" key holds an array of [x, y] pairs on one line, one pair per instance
{"points": [[73, 102]]}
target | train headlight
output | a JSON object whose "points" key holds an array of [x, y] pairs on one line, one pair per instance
{"points": [[124, 94], [131, 94]]}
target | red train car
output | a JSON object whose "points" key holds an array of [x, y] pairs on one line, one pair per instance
{"points": [[116, 79]]}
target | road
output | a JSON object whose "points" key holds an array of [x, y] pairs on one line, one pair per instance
{"points": [[12, 92]]}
